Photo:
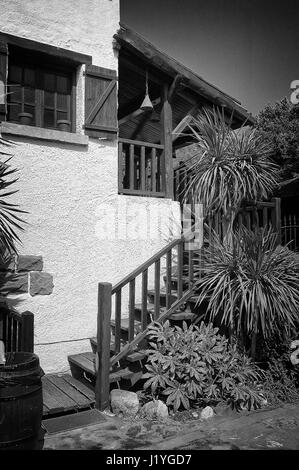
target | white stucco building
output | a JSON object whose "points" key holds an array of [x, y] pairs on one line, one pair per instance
{"points": [[96, 211]]}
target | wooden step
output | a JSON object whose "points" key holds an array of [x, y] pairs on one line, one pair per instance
{"points": [[174, 282], [86, 363], [124, 328], [179, 315], [134, 356], [151, 297]]}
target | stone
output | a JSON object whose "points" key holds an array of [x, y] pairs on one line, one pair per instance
{"points": [[124, 403], [29, 263], [207, 413], [40, 283], [155, 409], [16, 283]]}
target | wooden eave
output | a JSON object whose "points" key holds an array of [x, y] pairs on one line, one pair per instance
{"points": [[140, 47]]}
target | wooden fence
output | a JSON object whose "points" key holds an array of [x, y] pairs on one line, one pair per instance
{"points": [[290, 231], [16, 329]]}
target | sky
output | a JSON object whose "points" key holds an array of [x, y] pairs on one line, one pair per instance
{"points": [[247, 48]]}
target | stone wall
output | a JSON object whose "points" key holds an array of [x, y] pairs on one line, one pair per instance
{"points": [[26, 276]]}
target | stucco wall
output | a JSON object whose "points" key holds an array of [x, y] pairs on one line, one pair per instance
{"points": [[85, 231]]}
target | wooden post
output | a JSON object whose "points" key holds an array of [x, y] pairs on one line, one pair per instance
{"points": [[276, 218], [103, 345], [3, 80], [166, 139], [27, 332]]}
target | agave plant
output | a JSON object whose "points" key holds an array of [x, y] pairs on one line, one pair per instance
{"points": [[252, 285], [229, 168]]}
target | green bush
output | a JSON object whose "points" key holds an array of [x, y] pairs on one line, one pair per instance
{"points": [[197, 366], [281, 383]]}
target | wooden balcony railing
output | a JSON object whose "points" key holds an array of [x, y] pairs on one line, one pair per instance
{"points": [[141, 168]]}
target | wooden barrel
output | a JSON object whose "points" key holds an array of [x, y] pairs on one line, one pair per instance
{"points": [[21, 400]]}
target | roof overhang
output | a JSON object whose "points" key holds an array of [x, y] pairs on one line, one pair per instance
{"points": [[143, 49]]}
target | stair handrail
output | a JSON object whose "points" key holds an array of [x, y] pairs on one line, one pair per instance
{"points": [[105, 292]]}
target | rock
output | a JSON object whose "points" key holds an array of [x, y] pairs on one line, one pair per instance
{"points": [[155, 409], [41, 283], [124, 403], [207, 413], [195, 415]]}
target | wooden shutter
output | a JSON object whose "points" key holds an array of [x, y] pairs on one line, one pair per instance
{"points": [[100, 102], [3, 79]]}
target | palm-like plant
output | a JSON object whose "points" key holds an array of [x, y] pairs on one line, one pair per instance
{"points": [[252, 283], [10, 220], [230, 167]]}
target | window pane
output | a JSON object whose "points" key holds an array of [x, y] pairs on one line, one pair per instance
{"points": [[29, 77], [15, 74], [49, 99], [61, 101], [48, 118], [29, 95], [49, 81], [61, 115], [63, 84], [13, 111], [31, 110], [15, 93]]}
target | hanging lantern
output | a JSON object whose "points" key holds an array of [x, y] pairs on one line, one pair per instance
{"points": [[147, 105]]}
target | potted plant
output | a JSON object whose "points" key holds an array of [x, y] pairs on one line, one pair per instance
{"points": [[25, 118], [64, 125]]}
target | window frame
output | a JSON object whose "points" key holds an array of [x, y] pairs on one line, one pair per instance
{"points": [[43, 63]]}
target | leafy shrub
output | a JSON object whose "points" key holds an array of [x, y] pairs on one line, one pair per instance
{"points": [[195, 365], [281, 382]]}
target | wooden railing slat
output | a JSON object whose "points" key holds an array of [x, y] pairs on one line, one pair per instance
{"points": [[142, 168], [132, 167], [154, 169], [117, 320], [120, 165], [131, 309], [144, 300], [180, 270], [168, 279], [157, 289]]}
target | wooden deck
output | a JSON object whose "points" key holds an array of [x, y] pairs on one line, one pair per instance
{"points": [[64, 394]]}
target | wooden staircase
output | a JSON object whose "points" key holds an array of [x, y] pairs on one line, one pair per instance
{"points": [[116, 358], [129, 369]]}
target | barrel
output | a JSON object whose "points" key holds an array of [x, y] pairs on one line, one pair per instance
{"points": [[21, 401]]}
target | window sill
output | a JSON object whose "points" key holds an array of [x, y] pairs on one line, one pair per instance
{"points": [[51, 135]]}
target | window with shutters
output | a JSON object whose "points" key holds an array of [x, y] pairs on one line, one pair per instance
{"points": [[40, 91]]}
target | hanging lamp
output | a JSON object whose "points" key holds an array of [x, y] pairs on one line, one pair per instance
{"points": [[147, 105]]}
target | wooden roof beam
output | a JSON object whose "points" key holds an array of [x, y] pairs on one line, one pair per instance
{"points": [[137, 112], [177, 84], [184, 123]]}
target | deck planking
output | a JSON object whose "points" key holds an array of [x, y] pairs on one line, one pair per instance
{"points": [[64, 394]]}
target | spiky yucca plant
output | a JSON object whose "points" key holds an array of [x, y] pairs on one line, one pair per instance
{"points": [[10, 220], [229, 168], [252, 284]]}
